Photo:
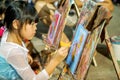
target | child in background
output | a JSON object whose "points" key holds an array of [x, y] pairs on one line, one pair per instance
{"points": [[20, 25], [2, 11], [3, 6]]}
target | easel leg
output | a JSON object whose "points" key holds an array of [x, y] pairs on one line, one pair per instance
{"points": [[77, 9], [115, 63], [94, 60]]}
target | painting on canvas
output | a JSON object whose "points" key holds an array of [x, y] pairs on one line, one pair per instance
{"points": [[76, 48], [53, 28]]}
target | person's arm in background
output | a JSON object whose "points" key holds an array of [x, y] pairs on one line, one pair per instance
{"points": [[107, 3]]}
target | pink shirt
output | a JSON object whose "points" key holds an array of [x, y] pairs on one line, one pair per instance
{"points": [[2, 29]]}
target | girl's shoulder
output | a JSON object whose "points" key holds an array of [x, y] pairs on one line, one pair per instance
{"points": [[8, 48]]}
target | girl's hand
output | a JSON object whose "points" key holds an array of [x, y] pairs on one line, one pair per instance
{"points": [[61, 54], [57, 58]]}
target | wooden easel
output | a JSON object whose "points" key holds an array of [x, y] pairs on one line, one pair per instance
{"points": [[78, 14], [94, 61], [109, 46]]}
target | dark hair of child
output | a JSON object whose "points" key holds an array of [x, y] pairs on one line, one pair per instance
{"points": [[21, 11], [2, 11]]}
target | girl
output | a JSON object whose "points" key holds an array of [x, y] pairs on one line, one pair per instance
{"points": [[20, 25]]}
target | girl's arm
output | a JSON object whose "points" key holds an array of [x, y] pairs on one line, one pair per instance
{"points": [[58, 58], [18, 59]]}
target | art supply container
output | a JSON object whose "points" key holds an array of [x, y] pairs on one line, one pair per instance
{"points": [[115, 40]]}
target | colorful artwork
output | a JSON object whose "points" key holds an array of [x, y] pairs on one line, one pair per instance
{"points": [[58, 25], [87, 12], [88, 52], [85, 58], [76, 48], [53, 28]]}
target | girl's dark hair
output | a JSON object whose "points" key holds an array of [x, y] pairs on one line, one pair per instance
{"points": [[22, 11]]}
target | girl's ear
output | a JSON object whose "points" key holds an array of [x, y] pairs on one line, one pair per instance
{"points": [[15, 24]]}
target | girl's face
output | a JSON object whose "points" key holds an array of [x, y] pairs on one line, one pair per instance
{"points": [[28, 31]]}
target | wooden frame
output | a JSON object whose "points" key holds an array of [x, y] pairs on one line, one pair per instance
{"points": [[109, 46]]}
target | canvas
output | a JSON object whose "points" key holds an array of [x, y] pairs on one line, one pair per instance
{"points": [[53, 28], [88, 53], [90, 45], [76, 48], [87, 12], [83, 64]]}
